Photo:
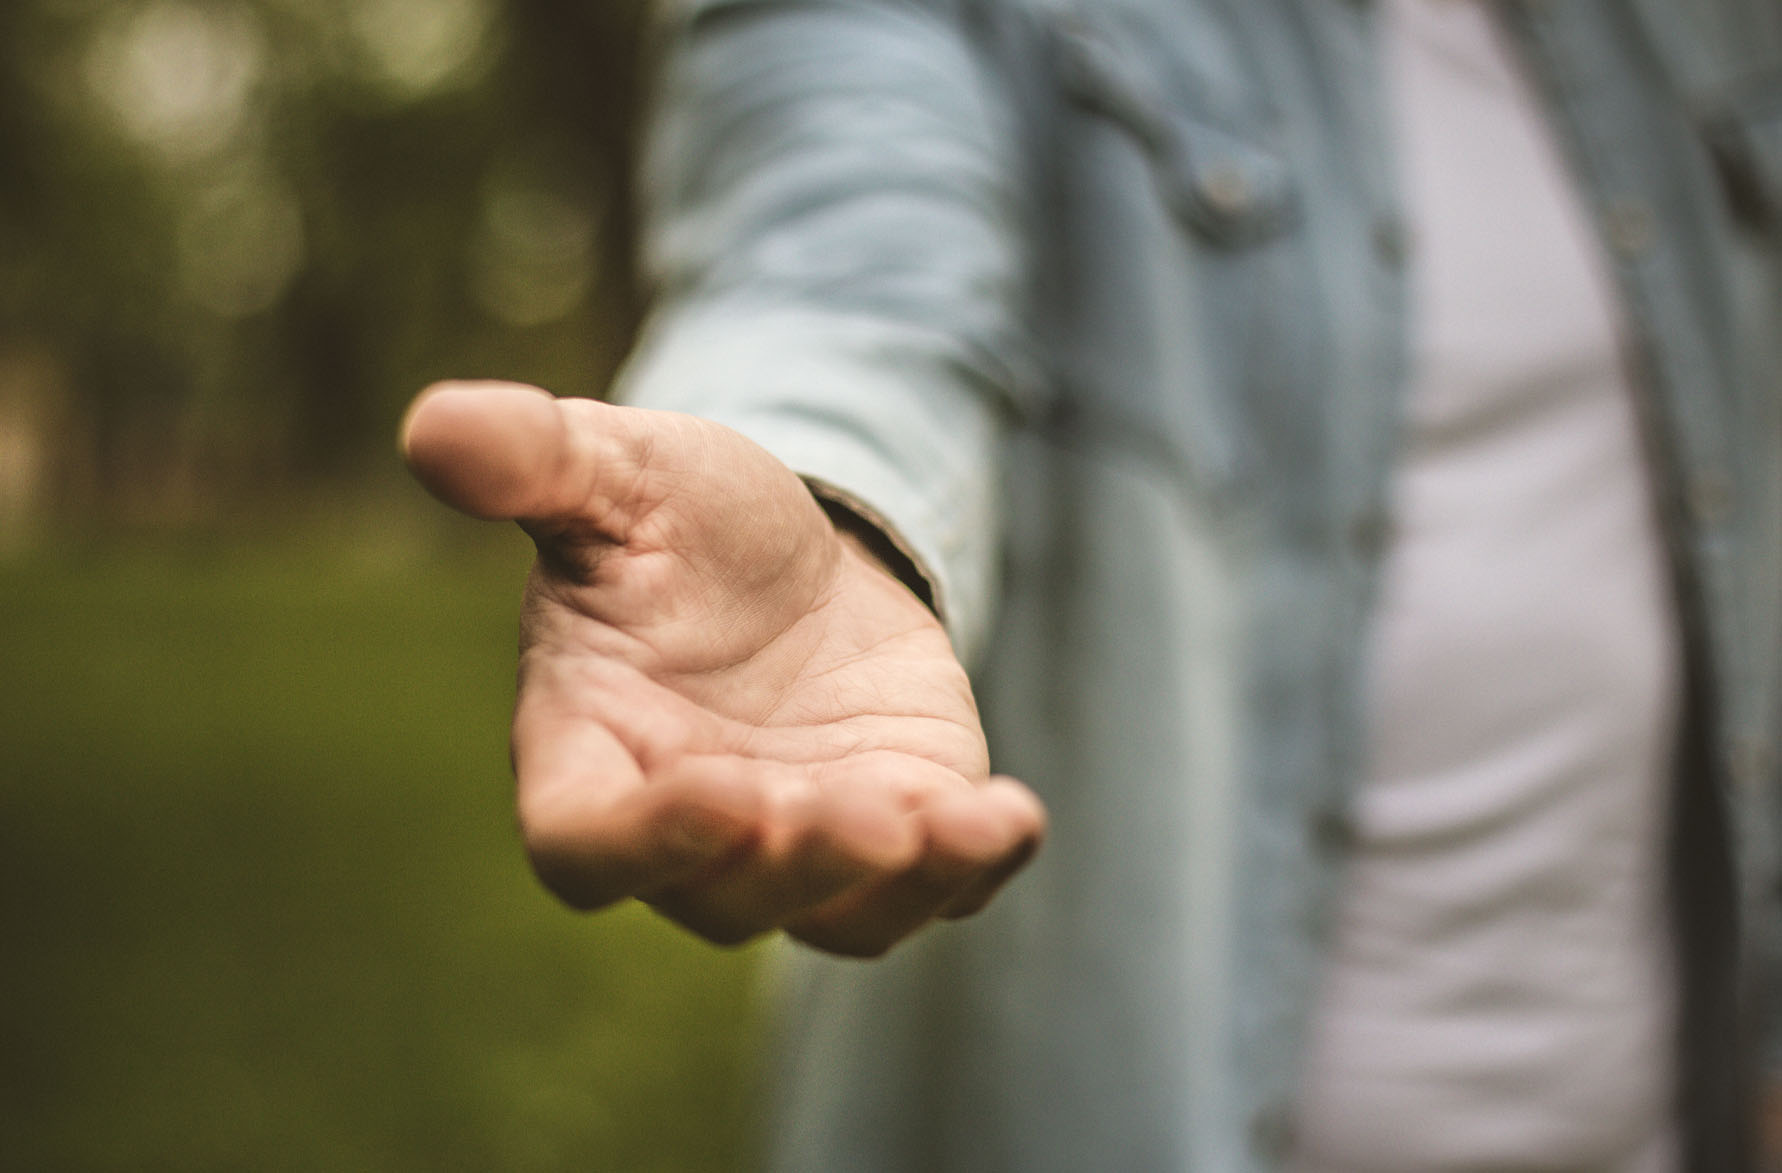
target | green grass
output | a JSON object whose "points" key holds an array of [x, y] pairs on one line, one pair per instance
{"points": [[264, 904]]}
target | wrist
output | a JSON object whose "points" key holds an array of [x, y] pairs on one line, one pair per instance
{"points": [[877, 547]]}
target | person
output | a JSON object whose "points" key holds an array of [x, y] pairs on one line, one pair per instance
{"points": [[1343, 438]]}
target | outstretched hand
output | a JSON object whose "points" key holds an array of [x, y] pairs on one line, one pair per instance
{"points": [[725, 709]]}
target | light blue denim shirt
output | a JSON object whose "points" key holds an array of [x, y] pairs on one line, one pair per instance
{"points": [[1099, 308]]}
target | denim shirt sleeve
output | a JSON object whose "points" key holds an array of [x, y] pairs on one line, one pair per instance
{"points": [[834, 240]]}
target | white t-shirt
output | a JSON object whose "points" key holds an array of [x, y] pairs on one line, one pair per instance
{"points": [[1499, 993]]}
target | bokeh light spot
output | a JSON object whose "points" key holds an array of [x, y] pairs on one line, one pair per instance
{"points": [[416, 48], [241, 243], [532, 259], [177, 77]]}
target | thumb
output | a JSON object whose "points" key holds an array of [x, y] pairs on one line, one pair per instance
{"points": [[503, 451], [579, 474]]}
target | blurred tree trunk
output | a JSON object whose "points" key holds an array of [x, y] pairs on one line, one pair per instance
{"points": [[186, 403], [591, 70]]}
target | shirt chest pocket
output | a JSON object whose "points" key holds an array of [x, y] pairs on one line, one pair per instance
{"points": [[1176, 247], [1222, 184]]}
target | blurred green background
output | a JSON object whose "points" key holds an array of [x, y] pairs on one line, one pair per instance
{"points": [[264, 905]]}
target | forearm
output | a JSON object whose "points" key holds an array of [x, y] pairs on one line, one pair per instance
{"points": [[837, 249]]}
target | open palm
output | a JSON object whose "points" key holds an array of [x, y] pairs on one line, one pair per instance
{"points": [[725, 708]]}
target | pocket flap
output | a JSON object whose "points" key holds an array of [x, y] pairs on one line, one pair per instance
{"points": [[1226, 188]]}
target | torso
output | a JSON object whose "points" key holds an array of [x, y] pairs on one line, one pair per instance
{"points": [[1498, 993]]}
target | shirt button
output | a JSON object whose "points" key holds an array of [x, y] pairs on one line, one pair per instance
{"points": [[1710, 498], [1271, 1132], [1226, 189], [1750, 763], [1631, 227], [1391, 241]]}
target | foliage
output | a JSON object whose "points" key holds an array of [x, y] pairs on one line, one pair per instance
{"points": [[264, 905], [236, 235]]}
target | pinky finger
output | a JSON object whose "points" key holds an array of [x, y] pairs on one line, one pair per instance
{"points": [[976, 840], [1026, 818]]}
